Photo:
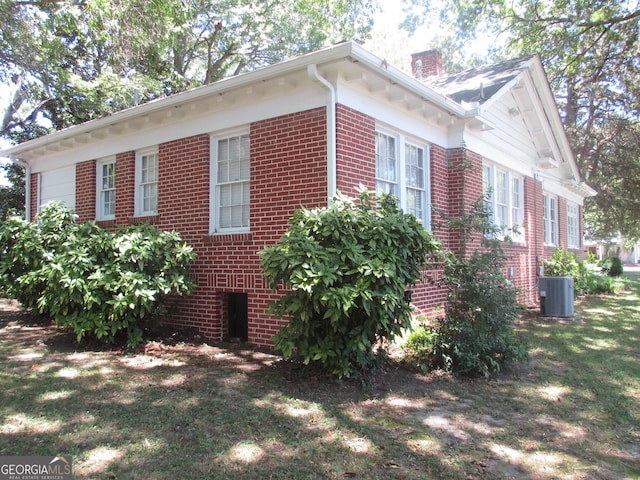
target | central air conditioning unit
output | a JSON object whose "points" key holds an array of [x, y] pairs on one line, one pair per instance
{"points": [[556, 296]]}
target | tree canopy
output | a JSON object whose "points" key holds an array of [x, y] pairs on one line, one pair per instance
{"points": [[591, 52], [12, 195], [70, 61]]}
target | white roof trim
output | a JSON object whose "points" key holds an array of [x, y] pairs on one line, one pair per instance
{"points": [[347, 50]]}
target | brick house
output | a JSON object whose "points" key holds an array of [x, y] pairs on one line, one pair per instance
{"points": [[226, 165]]}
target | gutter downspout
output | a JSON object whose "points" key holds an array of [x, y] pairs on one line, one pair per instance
{"points": [[312, 71], [27, 186]]}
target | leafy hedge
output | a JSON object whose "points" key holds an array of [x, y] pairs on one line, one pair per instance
{"points": [[564, 264], [347, 268], [94, 281]]}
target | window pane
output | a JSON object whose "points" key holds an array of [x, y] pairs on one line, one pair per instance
{"points": [[108, 176], [502, 207], [415, 203], [149, 168], [386, 164], [517, 208], [223, 171], [486, 179], [414, 160], [150, 197], [106, 194], [415, 181], [109, 203], [550, 216], [574, 226]]}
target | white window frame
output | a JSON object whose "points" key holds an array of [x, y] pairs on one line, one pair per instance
{"points": [[550, 219], [243, 181], [387, 180], [397, 182], [504, 199], [102, 190], [573, 225], [145, 184]]}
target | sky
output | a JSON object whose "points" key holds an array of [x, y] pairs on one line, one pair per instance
{"points": [[387, 41]]}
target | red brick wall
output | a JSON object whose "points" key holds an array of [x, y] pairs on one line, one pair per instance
{"points": [[288, 169], [34, 196], [355, 151], [465, 187], [86, 190]]}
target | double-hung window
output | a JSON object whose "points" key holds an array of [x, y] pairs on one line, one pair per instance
{"points": [[550, 219], [146, 183], [231, 178], [416, 181], [573, 226], [106, 189], [402, 169], [504, 199]]}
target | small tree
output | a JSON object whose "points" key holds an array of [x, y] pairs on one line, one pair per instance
{"points": [[477, 334], [612, 266], [347, 268]]}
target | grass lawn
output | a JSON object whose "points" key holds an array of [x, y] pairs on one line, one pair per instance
{"points": [[188, 410]]}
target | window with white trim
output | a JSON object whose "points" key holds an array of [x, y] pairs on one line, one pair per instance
{"points": [[106, 190], [416, 181], [504, 199], [550, 219], [231, 180], [386, 164], [146, 195], [402, 169], [573, 226]]}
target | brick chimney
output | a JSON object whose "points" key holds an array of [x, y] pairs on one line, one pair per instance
{"points": [[426, 64]]}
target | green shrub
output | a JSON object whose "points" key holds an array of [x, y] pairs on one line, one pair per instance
{"points": [[586, 282], [591, 283], [562, 264], [477, 334], [346, 268], [90, 280], [419, 347], [612, 266]]}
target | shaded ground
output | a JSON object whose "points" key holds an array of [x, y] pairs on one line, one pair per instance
{"points": [[181, 408]]}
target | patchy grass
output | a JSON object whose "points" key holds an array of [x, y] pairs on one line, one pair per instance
{"points": [[189, 410]]}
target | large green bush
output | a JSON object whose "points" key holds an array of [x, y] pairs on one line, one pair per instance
{"points": [[346, 268], [91, 280]]}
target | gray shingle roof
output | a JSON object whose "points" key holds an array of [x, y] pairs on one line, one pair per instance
{"points": [[478, 84]]}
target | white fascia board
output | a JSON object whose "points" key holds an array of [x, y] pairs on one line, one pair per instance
{"points": [[209, 122], [350, 50]]}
